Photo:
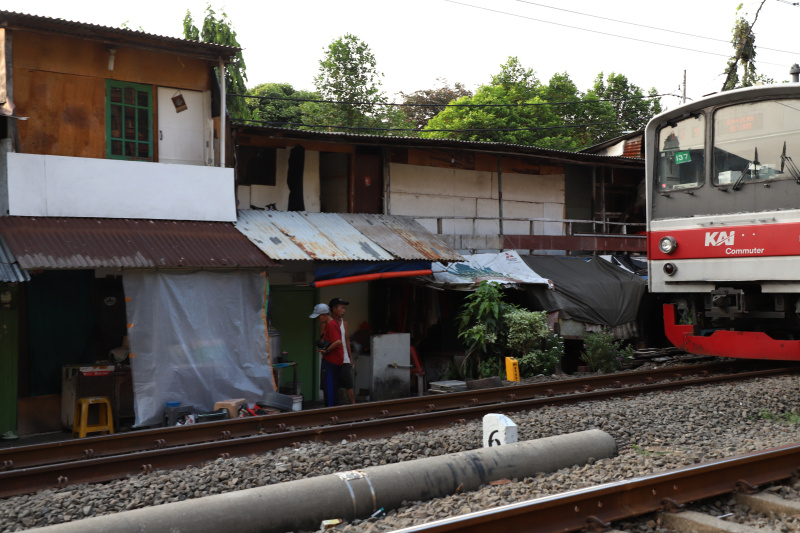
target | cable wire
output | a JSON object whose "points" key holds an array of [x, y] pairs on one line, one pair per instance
{"points": [[370, 128], [520, 104], [600, 32], [654, 27]]}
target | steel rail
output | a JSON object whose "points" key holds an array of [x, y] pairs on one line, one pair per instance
{"points": [[144, 440], [595, 508], [90, 470]]}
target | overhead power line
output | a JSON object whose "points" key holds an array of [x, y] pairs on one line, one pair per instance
{"points": [[600, 32], [521, 104], [656, 27], [370, 128]]}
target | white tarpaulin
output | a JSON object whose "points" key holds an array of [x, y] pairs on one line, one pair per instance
{"points": [[505, 268], [196, 338]]}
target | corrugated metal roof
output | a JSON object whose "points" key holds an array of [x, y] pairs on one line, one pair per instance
{"points": [[348, 238], [373, 227], [9, 268], [421, 239], [64, 243], [123, 36], [560, 156], [333, 237]]}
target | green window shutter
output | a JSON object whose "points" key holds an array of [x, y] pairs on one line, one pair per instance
{"points": [[129, 121]]}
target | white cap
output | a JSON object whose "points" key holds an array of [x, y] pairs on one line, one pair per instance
{"points": [[320, 309]]}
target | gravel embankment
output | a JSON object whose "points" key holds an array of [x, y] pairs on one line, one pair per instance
{"points": [[653, 432]]}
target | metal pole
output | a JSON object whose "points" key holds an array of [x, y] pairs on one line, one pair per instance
{"points": [[683, 100], [222, 114], [500, 192]]}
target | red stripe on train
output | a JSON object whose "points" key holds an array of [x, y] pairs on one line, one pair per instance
{"points": [[763, 240]]}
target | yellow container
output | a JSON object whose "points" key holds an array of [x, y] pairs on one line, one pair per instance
{"points": [[512, 369]]}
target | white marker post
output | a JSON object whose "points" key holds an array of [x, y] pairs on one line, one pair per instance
{"points": [[498, 430]]}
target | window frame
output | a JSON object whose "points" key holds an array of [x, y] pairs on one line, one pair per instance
{"points": [[148, 89], [657, 153]]}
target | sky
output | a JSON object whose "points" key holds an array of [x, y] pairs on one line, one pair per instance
{"points": [[417, 41]]}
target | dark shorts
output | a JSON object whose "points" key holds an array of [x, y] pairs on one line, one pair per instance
{"points": [[333, 378]]}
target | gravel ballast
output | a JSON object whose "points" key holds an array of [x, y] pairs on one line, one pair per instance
{"points": [[654, 432]]}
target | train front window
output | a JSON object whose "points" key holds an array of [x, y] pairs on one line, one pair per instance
{"points": [[681, 154], [756, 142]]}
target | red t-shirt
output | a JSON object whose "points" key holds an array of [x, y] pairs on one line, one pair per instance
{"points": [[333, 333]]}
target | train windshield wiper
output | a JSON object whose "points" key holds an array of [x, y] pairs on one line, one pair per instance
{"points": [[788, 163], [746, 171]]}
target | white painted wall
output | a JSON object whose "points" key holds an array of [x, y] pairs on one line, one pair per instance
{"points": [[261, 195], [421, 191], [58, 186]]}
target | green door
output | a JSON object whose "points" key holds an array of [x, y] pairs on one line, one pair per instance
{"points": [[290, 309]]}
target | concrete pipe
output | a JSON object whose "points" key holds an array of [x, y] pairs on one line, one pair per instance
{"points": [[303, 504]]}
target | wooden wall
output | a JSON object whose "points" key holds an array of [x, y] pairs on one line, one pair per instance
{"points": [[59, 83]]}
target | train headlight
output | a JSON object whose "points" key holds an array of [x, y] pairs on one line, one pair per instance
{"points": [[667, 245]]}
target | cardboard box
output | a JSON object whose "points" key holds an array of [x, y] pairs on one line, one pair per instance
{"points": [[231, 405]]}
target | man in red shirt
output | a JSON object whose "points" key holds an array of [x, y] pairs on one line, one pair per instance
{"points": [[337, 359]]}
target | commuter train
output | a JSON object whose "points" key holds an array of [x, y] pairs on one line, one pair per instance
{"points": [[723, 222]]}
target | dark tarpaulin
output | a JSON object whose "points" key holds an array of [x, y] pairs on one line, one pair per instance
{"points": [[346, 270], [593, 291], [294, 178]]}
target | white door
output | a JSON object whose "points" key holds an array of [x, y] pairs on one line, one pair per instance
{"points": [[183, 137]]}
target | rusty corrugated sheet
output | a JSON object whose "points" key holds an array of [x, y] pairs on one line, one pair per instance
{"points": [[419, 238], [260, 230], [353, 242], [123, 36], [64, 243], [308, 236], [390, 240], [341, 237]]}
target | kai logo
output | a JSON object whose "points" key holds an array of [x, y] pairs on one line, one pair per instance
{"points": [[718, 238]]}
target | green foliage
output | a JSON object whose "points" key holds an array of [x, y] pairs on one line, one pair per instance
{"points": [[603, 353], [489, 367], [278, 112], [744, 46], [349, 73], [220, 31], [791, 417], [491, 329], [516, 85], [543, 360], [431, 101]]}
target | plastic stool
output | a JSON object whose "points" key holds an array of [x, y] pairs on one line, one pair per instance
{"points": [[105, 419]]}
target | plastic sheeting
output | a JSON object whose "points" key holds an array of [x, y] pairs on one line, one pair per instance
{"points": [[506, 268], [593, 291], [345, 270], [196, 338]]}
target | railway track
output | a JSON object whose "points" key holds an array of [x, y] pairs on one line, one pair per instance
{"points": [[32, 468], [597, 508]]}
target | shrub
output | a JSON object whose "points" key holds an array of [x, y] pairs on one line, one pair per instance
{"points": [[603, 353]]}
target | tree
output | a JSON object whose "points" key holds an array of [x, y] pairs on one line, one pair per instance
{"points": [[431, 101], [632, 109], [220, 31], [744, 46], [275, 111], [530, 113], [348, 76]]}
